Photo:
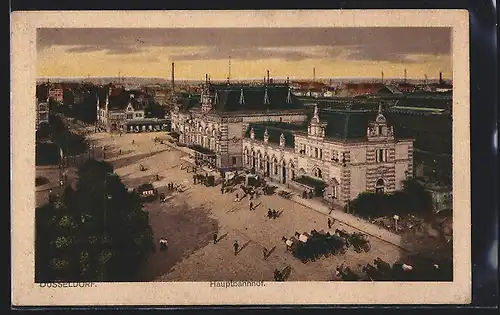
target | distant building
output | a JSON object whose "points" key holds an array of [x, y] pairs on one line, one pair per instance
{"points": [[355, 89], [42, 113], [124, 111], [56, 94]]}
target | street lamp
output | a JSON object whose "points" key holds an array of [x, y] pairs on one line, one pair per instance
{"points": [[396, 218]]}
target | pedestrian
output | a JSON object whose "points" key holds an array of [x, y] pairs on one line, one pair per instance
{"points": [[236, 246], [194, 179], [269, 213], [237, 198], [275, 214], [329, 223], [264, 253], [276, 275], [214, 237], [251, 206], [133, 141], [222, 190], [120, 151]]}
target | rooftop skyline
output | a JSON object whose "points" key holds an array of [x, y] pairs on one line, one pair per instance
{"points": [[293, 52]]}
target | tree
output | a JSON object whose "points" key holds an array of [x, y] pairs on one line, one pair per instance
{"points": [[92, 231], [418, 199]]}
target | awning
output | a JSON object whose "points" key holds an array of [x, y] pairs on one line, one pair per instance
{"points": [[310, 182]]}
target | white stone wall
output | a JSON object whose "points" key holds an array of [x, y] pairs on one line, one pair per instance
{"points": [[358, 181], [358, 154]]}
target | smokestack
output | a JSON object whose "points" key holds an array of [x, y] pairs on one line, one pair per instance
{"points": [[206, 78], [314, 74], [382, 77], [268, 76], [229, 73], [425, 79], [173, 77], [440, 78], [405, 76]]}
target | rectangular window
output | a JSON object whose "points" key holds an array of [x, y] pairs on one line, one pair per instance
{"points": [[234, 160], [381, 155], [320, 154], [316, 152]]}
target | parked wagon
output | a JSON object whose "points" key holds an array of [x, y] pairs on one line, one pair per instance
{"points": [[147, 192]]}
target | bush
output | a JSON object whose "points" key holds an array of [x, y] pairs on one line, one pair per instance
{"points": [[413, 199]]}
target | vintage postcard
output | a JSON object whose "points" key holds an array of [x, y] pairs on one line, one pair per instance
{"points": [[240, 158]]}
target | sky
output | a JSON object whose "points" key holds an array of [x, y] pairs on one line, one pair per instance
{"points": [[285, 52]]}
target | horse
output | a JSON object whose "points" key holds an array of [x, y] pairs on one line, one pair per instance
{"points": [[372, 272], [383, 266]]}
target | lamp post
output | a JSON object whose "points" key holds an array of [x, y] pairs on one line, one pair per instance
{"points": [[396, 218]]}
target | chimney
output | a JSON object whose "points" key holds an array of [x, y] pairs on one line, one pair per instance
{"points": [[440, 78], [382, 77], [173, 77], [405, 76], [425, 79], [268, 76], [314, 74], [206, 78]]}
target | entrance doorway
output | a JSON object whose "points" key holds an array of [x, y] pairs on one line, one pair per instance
{"points": [[379, 186], [283, 172]]}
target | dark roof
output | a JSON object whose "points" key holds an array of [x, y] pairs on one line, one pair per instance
{"points": [[137, 104], [364, 85], [145, 187], [346, 125], [275, 130], [228, 98]]}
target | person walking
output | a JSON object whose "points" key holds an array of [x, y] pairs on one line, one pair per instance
{"points": [[329, 223], [222, 190], [264, 253], [236, 246], [237, 198], [251, 206], [214, 237]]}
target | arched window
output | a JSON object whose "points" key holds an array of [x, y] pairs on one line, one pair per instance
{"points": [[317, 172], [275, 166], [379, 186]]}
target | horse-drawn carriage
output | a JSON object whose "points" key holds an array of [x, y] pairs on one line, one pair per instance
{"points": [[359, 241], [309, 247], [285, 194]]}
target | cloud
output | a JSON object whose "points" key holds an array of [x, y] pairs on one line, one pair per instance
{"points": [[110, 50], [290, 44]]}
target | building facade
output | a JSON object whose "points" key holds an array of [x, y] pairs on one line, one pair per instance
{"points": [[56, 94], [216, 125], [344, 153], [42, 113], [123, 112]]}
